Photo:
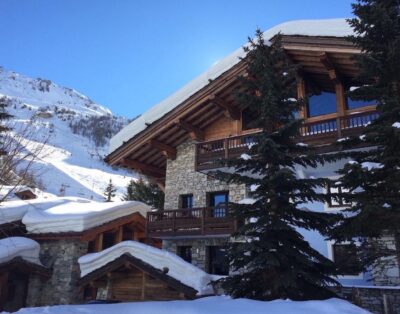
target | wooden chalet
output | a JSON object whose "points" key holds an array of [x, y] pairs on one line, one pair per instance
{"points": [[128, 278], [14, 279]]}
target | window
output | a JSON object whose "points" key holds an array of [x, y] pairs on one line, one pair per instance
{"points": [[322, 103], [353, 104], [336, 201], [345, 256], [219, 202], [108, 239], [217, 260], [186, 201], [185, 252]]}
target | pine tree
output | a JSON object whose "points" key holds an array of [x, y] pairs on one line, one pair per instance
{"points": [[270, 258], [109, 192], [147, 193], [4, 116], [373, 175]]}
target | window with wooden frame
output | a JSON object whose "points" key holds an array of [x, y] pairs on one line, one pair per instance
{"points": [[334, 191], [186, 201]]}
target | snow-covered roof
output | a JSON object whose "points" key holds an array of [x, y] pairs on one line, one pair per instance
{"points": [[179, 269], [328, 27], [25, 248], [79, 215], [11, 211]]}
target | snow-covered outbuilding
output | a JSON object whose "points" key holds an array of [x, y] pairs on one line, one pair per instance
{"points": [[19, 264], [133, 271]]}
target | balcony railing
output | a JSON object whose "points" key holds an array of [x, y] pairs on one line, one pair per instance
{"points": [[190, 222], [211, 154]]}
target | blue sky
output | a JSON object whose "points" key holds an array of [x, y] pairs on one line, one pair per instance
{"points": [[130, 54]]}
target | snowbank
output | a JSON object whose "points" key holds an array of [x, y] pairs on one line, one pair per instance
{"points": [[19, 247], [14, 210], [179, 269], [211, 305], [79, 215], [329, 27]]}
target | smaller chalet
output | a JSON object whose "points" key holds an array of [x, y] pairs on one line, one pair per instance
{"points": [[19, 261], [132, 271]]}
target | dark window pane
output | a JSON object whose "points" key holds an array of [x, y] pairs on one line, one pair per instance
{"points": [[217, 260], [320, 104], [187, 201], [108, 239], [219, 201], [185, 252]]}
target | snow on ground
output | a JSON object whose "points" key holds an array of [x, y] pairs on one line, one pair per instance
{"points": [[79, 215], [13, 247], [210, 305], [328, 27], [70, 165], [179, 269]]}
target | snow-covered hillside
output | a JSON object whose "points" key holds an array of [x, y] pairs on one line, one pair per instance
{"points": [[71, 163]]}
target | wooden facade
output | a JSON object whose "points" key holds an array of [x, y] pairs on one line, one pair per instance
{"points": [[130, 279], [211, 113]]}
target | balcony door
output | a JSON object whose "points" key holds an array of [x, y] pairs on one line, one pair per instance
{"points": [[219, 202]]}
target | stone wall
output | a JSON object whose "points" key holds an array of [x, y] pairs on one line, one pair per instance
{"points": [[376, 300], [199, 248], [386, 270], [62, 288], [181, 178]]}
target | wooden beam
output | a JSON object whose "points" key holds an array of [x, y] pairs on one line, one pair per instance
{"points": [[145, 168], [119, 235], [194, 132], [229, 110], [332, 72], [98, 245], [301, 94], [166, 150]]}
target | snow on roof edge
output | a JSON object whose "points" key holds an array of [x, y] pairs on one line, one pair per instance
{"points": [[179, 269], [326, 27], [25, 248]]}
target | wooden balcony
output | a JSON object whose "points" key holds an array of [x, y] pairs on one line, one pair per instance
{"points": [[318, 131], [190, 222]]}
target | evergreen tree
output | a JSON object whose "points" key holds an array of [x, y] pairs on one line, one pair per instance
{"points": [[270, 258], [4, 116], [109, 192], [373, 175], [147, 193]]}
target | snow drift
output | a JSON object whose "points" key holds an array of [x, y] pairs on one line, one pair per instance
{"points": [[210, 305], [19, 247], [79, 215]]}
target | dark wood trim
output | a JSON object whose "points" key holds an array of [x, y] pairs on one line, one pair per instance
{"points": [[127, 260], [18, 263], [166, 150], [229, 110], [145, 168], [195, 133]]}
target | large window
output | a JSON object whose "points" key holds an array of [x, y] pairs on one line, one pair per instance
{"points": [[345, 256], [219, 202], [217, 260], [321, 103], [353, 103]]}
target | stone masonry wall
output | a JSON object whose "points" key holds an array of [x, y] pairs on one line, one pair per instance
{"points": [[181, 178], [386, 271], [199, 248], [62, 288], [376, 300]]}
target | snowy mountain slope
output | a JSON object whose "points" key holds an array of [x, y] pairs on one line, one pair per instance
{"points": [[71, 164]]}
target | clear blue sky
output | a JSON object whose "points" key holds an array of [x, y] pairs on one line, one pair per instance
{"points": [[130, 54]]}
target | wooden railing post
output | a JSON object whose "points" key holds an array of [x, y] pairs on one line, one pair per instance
{"points": [[226, 144], [173, 221], [203, 220], [339, 127]]}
